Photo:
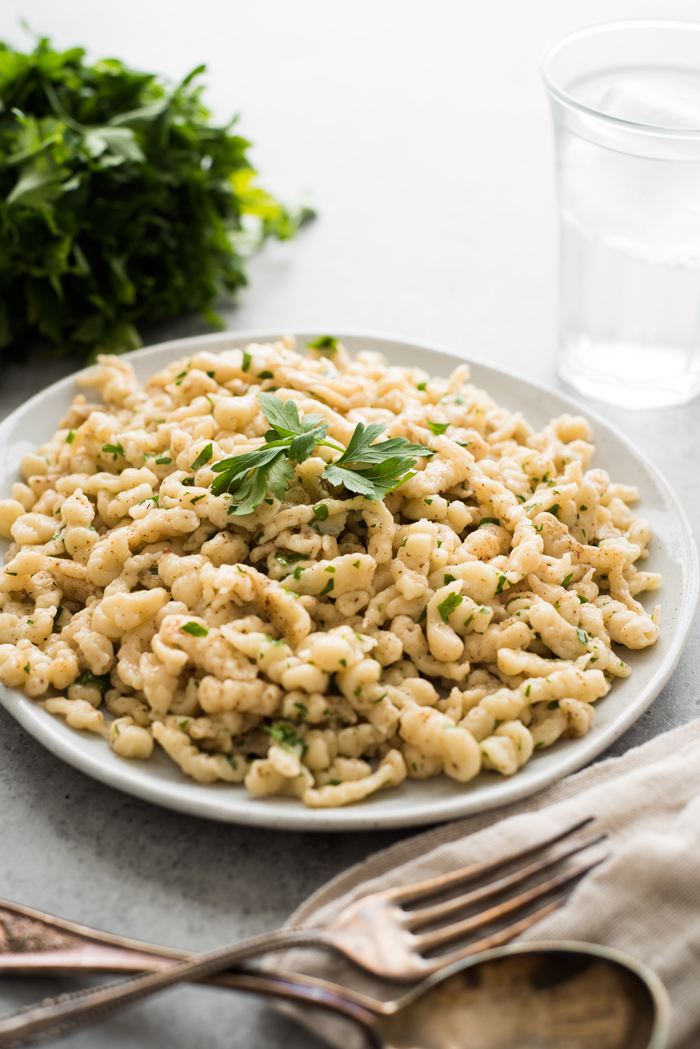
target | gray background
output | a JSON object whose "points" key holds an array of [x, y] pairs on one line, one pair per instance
{"points": [[422, 132]]}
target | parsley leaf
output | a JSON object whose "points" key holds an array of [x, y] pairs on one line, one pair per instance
{"points": [[374, 470], [243, 476], [374, 482], [362, 450], [437, 428], [280, 474], [283, 416]]}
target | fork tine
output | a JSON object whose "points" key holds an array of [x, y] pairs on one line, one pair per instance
{"points": [[433, 885], [496, 939], [425, 941], [424, 915]]}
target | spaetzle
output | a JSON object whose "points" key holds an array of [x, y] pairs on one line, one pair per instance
{"points": [[326, 644]]}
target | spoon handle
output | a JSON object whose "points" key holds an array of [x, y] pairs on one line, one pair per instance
{"points": [[57, 1017]]}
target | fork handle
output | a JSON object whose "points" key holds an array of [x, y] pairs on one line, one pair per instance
{"points": [[46, 945], [306, 990], [60, 1016]]}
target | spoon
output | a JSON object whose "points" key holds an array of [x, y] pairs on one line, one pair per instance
{"points": [[559, 995]]}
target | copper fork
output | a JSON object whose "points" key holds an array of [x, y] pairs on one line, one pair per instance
{"points": [[382, 932]]}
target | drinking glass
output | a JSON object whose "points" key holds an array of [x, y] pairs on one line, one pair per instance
{"points": [[625, 98]]}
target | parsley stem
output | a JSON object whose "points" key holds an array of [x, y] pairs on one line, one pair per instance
{"points": [[335, 447]]}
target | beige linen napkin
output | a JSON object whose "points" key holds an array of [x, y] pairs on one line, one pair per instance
{"points": [[645, 899]]}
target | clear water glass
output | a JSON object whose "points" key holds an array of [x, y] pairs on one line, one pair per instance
{"points": [[625, 98]]}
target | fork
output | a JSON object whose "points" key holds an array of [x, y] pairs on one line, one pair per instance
{"points": [[378, 932]]}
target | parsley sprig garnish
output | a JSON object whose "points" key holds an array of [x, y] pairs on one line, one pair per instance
{"points": [[368, 469]]}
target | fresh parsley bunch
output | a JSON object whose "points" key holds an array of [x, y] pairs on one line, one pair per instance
{"points": [[120, 203], [368, 469]]}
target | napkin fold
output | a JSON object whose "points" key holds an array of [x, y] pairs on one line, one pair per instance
{"points": [[644, 899]]}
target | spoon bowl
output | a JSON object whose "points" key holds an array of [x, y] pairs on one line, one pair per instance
{"points": [[532, 996]]}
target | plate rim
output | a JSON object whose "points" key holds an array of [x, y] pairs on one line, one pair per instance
{"points": [[65, 743]]}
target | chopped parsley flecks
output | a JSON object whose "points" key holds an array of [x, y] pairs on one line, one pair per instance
{"points": [[203, 458], [503, 582], [451, 602], [195, 629], [101, 681], [327, 344], [113, 449], [285, 736]]}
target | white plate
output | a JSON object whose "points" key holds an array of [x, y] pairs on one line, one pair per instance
{"points": [[158, 780]]}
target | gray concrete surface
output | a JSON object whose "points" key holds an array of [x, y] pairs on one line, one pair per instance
{"points": [[423, 133]]}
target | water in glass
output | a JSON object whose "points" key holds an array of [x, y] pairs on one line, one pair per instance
{"points": [[630, 247]]}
